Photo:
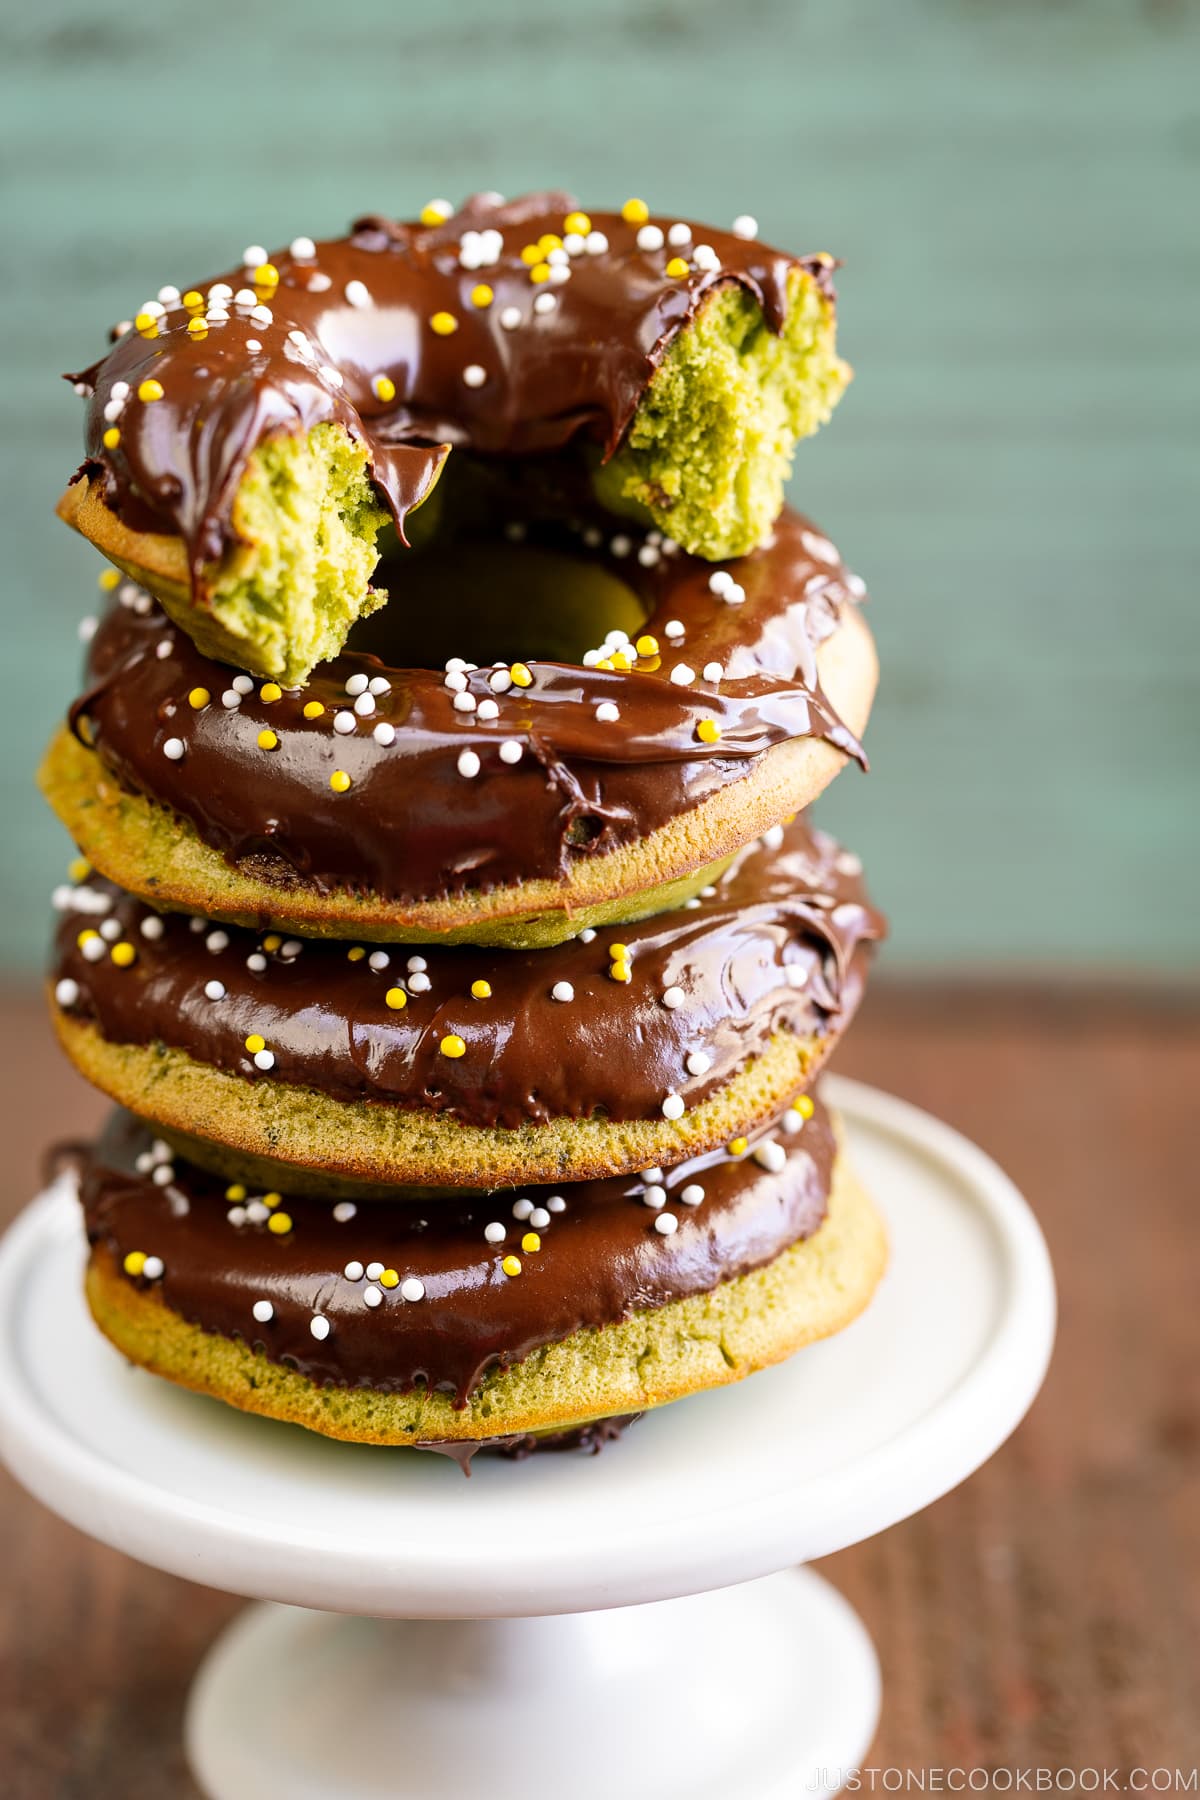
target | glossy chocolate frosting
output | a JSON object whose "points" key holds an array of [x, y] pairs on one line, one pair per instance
{"points": [[778, 943], [411, 826], [601, 1256], [345, 312]]}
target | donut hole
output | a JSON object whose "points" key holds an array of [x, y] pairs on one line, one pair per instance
{"points": [[491, 601]]}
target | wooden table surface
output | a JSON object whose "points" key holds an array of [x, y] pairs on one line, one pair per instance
{"points": [[1047, 1614]]}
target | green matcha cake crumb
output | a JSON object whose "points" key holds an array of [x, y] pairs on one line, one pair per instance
{"points": [[711, 444]]}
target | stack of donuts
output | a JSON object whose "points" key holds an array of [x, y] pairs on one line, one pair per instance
{"points": [[447, 924]]}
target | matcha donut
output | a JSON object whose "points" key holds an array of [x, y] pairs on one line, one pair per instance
{"points": [[512, 803], [489, 1318], [248, 438], [470, 1067]]}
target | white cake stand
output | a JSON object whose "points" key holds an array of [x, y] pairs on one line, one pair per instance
{"points": [[527, 1684]]}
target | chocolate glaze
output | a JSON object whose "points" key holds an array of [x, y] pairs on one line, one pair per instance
{"points": [[601, 1258], [590, 1439], [411, 826], [778, 943], [577, 371]]}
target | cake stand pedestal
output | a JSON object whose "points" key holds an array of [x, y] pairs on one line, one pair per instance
{"points": [[565, 1626]]}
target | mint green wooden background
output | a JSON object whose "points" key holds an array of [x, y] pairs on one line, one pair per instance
{"points": [[1015, 188]]}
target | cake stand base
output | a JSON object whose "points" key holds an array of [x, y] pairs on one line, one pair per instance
{"points": [[767, 1691]]}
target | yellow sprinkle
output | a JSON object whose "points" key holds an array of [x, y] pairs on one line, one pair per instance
{"points": [[313, 709], [266, 276], [270, 691], [150, 389], [647, 646], [272, 1200], [109, 579], [385, 388], [540, 272], [123, 955], [389, 1279], [452, 1045], [146, 322], [135, 1262], [521, 675], [254, 1043], [605, 662], [803, 1105], [531, 1242], [530, 254], [481, 990], [356, 954], [622, 661], [511, 1265], [619, 952], [577, 223], [236, 1192], [677, 267], [396, 998], [549, 241], [272, 941], [197, 327], [267, 740], [111, 438], [280, 1223], [85, 937], [620, 971], [339, 781], [192, 299], [79, 868], [635, 212], [738, 1146], [443, 323], [199, 697], [434, 214], [708, 731], [481, 294]]}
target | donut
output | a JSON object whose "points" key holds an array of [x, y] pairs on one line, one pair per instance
{"points": [[248, 438], [487, 1317], [314, 1065], [512, 803]]}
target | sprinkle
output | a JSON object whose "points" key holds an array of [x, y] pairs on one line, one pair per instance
{"points": [[374, 1271], [539, 1218], [452, 1045], [412, 1289], [620, 971], [677, 268], [654, 1196], [267, 739], [680, 234], [693, 1194], [313, 709], [199, 697], [556, 1204], [174, 749], [396, 998], [635, 212], [343, 723], [443, 323], [607, 712], [468, 764], [254, 1043], [770, 1156], [279, 1224], [243, 684], [682, 676], [214, 990], [500, 680], [672, 1107], [738, 1146], [596, 243], [320, 1327], [474, 375], [150, 389], [383, 387], [357, 684], [67, 991], [481, 294], [263, 1311], [666, 1224], [389, 1279], [108, 579], [531, 1242], [511, 752], [673, 998], [265, 1060], [647, 645], [134, 1262], [650, 237], [378, 960], [339, 781], [562, 990], [357, 294], [521, 675], [545, 303], [706, 258], [344, 1211], [674, 628], [488, 710], [698, 1062], [436, 212], [522, 1208], [257, 962], [713, 671], [384, 733], [372, 1296], [540, 272], [419, 984], [803, 1105], [481, 990], [745, 226], [463, 702], [494, 1233], [510, 318], [511, 1265], [112, 438], [303, 249], [708, 731]]}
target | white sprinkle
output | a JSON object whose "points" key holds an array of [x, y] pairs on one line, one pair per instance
{"points": [[574, 243], [111, 930], [242, 684], [256, 961], [87, 628], [384, 733], [682, 676], [621, 545], [262, 315], [318, 281], [455, 680], [791, 1123], [679, 234], [216, 941], [772, 838], [562, 990], [595, 243], [796, 975], [372, 1296], [263, 1311], [344, 1211], [257, 1213], [556, 258], [720, 582], [214, 990], [320, 1327], [378, 959], [608, 712], [672, 1107], [357, 294], [375, 1270], [556, 1204], [650, 237], [522, 1209], [343, 722], [353, 1271], [253, 256], [468, 764], [174, 749], [236, 1215], [113, 410], [666, 1223], [163, 649], [364, 706], [264, 1059], [500, 680], [303, 249], [587, 935], [693, 1194], [120, 390], [539, 1218], [510, 318], [487, 710], [474, 375], [231, 699], [673, 998], [379, 684], [713, 671], [745, 226], [152, 1268], [648, 555], [419, 984], [357, 684], [253, 346], [698, 1062], [674, 628], [846, 863], [464, 703], [495, 1232], [416, 965], [654, 1197], [412, 1289], [735, 594], [151, 927], [545, 303], [706, 258], [652, 1174], [67, 991], [770, 1156], [290, 949], [511, 752]]}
